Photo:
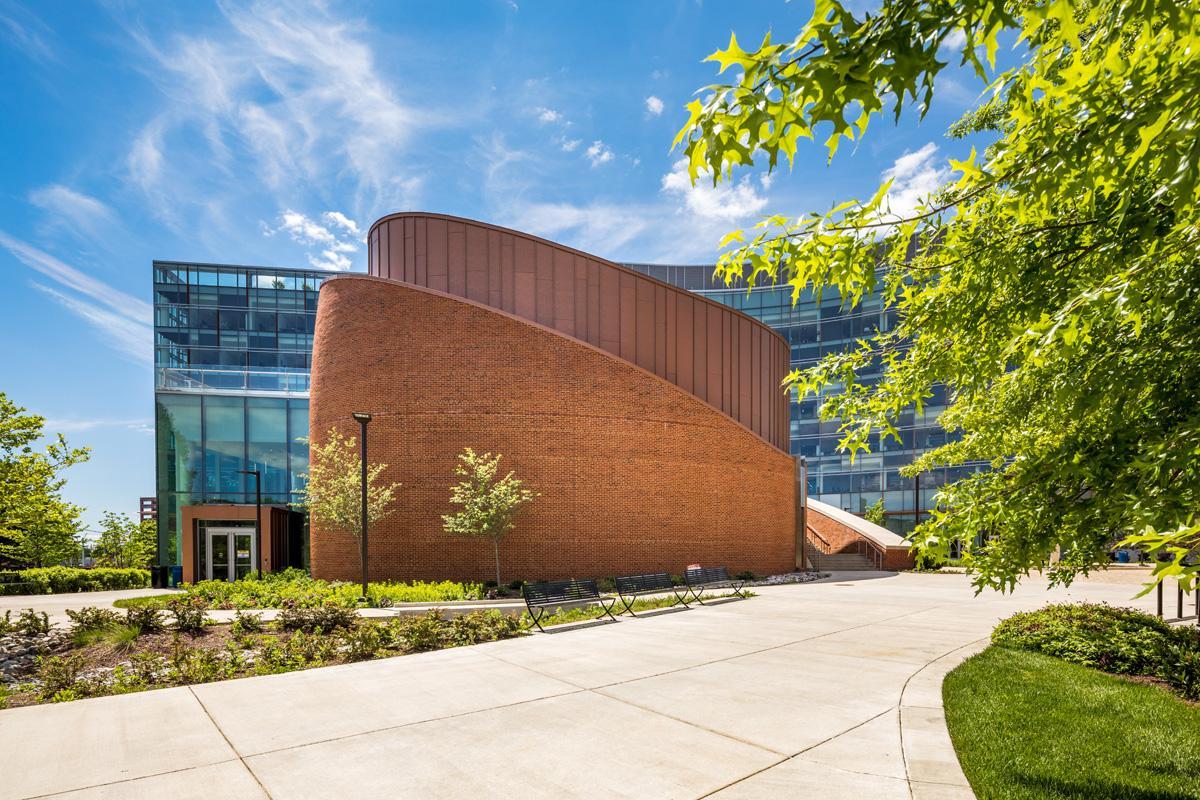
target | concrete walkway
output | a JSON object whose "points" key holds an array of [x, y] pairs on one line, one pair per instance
{"points": [[56, 605], [828, 690]]}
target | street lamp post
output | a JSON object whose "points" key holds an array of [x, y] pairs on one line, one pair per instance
{"points": [[363, 419], [257, 516]]}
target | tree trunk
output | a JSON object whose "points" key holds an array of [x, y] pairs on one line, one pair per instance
{"points": [[496, 552]]}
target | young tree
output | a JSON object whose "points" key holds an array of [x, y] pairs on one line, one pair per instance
{"points": [[333, 491], [125, 542], [1053, 287], [37, 527], [490, 505]]}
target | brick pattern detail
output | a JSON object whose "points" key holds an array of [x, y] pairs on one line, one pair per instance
{"points": [[635, 474]]}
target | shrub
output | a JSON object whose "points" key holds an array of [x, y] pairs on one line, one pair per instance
{"points": [[1181, 662], [421, 632], [189, 613], [33, 623], [145, 619], [327, 617], [362, 642], [295, 585], [246, 622], [57, 674], [54, 580], [92, 619], [1118, 640]]}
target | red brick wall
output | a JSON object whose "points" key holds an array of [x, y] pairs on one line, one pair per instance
{"points": [[635, 473], [841, 538]]}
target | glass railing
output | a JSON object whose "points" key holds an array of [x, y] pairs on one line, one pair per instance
{"points": [[231, 380]]}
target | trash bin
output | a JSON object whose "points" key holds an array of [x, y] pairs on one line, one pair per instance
{"points": [[176, 575], [156, 577]]}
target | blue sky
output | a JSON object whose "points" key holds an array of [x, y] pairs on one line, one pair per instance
{"points": [[272, 133]]}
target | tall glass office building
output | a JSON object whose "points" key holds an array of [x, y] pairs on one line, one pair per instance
{"points": [[814, 330], [232, 355]]}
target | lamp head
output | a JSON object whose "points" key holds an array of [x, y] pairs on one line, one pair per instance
{"points": [[362, 417]]}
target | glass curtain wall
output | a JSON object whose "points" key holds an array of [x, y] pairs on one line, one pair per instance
{"points": [[232, 357]]}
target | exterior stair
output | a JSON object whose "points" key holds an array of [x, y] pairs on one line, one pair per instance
{"points": [[840, 562]]}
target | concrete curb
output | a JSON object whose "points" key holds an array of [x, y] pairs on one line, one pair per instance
{"points": [[929, 757]]}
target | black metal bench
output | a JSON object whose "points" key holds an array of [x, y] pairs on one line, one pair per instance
{"points": [[540, 597], [702, 578], [630, 586]]}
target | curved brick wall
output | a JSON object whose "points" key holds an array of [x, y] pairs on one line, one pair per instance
{"points": [[732, 362], [635, 473]]}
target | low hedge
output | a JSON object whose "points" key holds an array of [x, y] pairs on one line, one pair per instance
{"points": [[1121, 641], [295, 587], [55, 580]]}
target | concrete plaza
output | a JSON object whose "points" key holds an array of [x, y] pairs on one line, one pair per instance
{"points": [[828, 690]]}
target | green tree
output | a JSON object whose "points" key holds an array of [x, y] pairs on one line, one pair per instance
{"points": [[490, 505], [333, 490], [876, 513], [1053, 286], [37, 527], [125, 542]]}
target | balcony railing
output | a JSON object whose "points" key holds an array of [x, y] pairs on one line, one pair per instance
{"points": [[232, 380]]}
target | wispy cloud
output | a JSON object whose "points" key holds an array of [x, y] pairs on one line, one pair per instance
{"points": [[570, 145], [80, 210], [129, 336], [290, 92], [25, 32], [139, 425], [547, 115], [77, 281], [654, 106]]}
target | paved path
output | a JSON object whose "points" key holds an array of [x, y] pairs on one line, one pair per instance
{"points": [[828, 690], [56, 605]]}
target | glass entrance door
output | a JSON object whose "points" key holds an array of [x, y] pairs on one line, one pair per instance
{"points": [[231, 553]]}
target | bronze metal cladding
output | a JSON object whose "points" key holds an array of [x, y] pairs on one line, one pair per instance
{"points": [[723, 357]]}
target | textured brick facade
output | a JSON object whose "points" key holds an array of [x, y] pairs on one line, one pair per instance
{"points": [[635, 473], [836, 537]]}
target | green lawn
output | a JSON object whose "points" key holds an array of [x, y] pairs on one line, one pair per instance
{"points": [[1029, 726], [155, 600]]}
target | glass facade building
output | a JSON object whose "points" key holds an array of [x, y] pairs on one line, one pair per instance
{"points": [[814, 329], [232, 354]]}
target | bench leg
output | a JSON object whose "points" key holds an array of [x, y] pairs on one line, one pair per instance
{"points": [[680, 599], [536, 615], [612, 601], [696, 592], [627, 604]]}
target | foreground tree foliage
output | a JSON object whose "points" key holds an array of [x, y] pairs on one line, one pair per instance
{"points": [[1054, 287], [333, 489], [38, 528]]}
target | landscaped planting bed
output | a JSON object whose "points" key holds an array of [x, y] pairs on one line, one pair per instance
{"points": [[106, 652], [56, 580], [294, 586]]}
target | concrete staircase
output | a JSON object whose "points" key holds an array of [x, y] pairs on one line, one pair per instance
{"points": [[840, 562]]}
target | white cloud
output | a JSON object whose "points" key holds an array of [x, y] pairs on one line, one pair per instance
{"points": [[599, 153], [914, 176], [954, 42], [547, 115], [131, 337], [654, 106], [570, 145], [342, 221], [71, 278], [330, 245], [140, 425], [28, 34], [288, 92], [725, 202], [598, 228], [68, 205]]}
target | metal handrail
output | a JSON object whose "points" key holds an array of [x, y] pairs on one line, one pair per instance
{"points": [[202, 380]]}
